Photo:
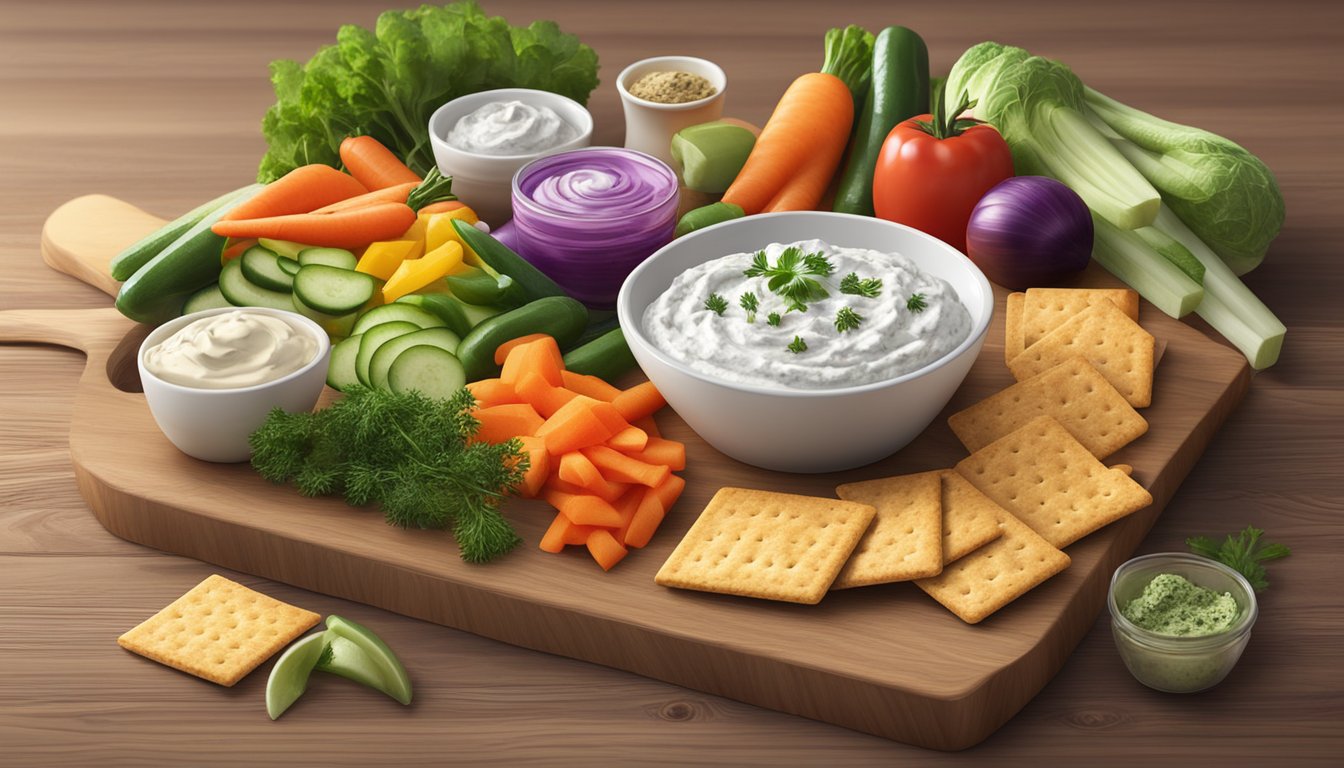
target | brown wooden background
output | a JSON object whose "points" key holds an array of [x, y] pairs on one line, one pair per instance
{"points": [[160, 103]]}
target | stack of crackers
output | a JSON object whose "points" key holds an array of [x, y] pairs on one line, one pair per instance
{"points": [[975, 536]]}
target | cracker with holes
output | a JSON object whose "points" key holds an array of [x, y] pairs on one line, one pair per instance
{"points": [[905, 539], [1074, 393], [1048, 480], [995, 575], [774, 546], [1045, 309], [219, 631], [970, 518], [1013, 342], [1108, 339]]}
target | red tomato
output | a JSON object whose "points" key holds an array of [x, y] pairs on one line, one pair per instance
{"points": [[931, 183]]}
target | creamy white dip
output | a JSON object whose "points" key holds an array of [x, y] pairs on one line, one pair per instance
{"points": [[891, 340], [231, 350], [510, 128]]}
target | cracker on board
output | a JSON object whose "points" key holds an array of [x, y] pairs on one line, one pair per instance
{"points": [[1073, 392], [1013, 343], [1048, 480], [1045, 309], [1105, 336], [970, 518], [995, 575], [774, 546], [905, 540], [219, 630]]}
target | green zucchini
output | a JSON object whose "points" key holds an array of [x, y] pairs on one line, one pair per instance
{"points": [[898, 91], [137, 254], [157, 290], [606, 357], [560, 316], [531, 281]]}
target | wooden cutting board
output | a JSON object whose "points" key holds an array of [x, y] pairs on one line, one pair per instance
{"points": [[885, 660]]}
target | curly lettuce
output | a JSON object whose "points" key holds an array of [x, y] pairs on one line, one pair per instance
{"points": [[386, 83]]}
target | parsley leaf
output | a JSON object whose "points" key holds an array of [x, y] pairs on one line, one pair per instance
{"points": [[774, 319], [749, 304], [716, 304], [916, 303], [1243, 554], [797, 345], [792, 277], [847, 319], [868, 287]]}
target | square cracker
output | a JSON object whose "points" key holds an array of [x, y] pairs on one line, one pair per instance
{"points": [[1045, 309], [996, 574], [970, 518], [1049, 481], [1013, 343], [1105, 336], [220, 631], [905, 540], [775, 546], [1073, 392]]}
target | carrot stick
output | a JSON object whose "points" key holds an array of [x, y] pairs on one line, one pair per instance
{"points": [[501, 423], [542, 396], [345, 229], [639, 401], [669, 453], [395, 194], [652, 509], [491, 392], [620, 468], [813, 117], [605, 549], [630, 440], [591, 386], [607, 491], [503, 350], [538, 466], [584, 509], [374, 164], [578, 469], [303, 189]]}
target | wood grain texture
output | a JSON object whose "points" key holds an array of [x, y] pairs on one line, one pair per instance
{"points": [[158, 103]]}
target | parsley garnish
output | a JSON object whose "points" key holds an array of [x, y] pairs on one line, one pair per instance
{"points": [[409, 453], [916, 303], [797, 345], [749, 304], [1243, 554], [774, 319], [868, 287], [792, 276], [716, 304], [847, 319]]}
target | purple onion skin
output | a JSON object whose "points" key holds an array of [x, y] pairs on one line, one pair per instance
{"points": [[1029, 231]]}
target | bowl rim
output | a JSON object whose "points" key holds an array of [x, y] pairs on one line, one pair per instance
{"points": [[167, 329], [526, 202], [721, 87], [584, 136], [1178, 643], [634, 325]]}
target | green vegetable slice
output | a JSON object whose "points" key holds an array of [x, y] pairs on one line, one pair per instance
{"points": [[289, 676], [397, 682]]}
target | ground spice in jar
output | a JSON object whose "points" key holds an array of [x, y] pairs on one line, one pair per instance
{"points": [[672, 88]]}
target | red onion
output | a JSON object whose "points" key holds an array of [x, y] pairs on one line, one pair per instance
{"points": [[1029, 231]]}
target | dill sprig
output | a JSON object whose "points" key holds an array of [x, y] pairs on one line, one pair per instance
{"points": [[916, 303], [847, 319]]}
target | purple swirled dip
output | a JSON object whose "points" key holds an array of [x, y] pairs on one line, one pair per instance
{"points": [[587, 217]]}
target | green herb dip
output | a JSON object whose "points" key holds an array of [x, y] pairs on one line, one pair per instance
{"points": [[1171, 605]]}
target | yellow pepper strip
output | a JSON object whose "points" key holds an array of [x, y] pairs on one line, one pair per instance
{"points": [[414, 274], [439, 230], [382, 259]]}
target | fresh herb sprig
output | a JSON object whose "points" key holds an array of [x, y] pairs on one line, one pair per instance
{"points": [[793, 276], [847, 320], [916, 303], [404, 451], [868, 287], [797, 346], [716, 304], [773, 319], [1241, 552], [749, 304]]}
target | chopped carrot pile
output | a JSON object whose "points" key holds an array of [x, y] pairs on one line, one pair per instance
{"points": [[594, 451]]}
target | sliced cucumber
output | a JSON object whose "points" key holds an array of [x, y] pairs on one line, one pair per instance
{"points": [[333, 290], [330, 257], [374, 338], [241, 292], [382, 359], [288, 266], [286, 248], [341, 370], [208, 297], [429, 370], [397, 311], [262, 267], [336, 326], [398, 682]]}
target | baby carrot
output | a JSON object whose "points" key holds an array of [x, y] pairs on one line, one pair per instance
{"points": [[374, 164]]}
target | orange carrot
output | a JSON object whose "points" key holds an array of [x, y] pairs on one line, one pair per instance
{"points": [[396, 194], [607, 491], [649, 426], [492, 392], [303, 189], [504, 422], [503, 350], [534, 391], [345, 229], [616, 466], [538, 466], [812, 117], [541, 357], [629, 440], [639, 401], [235, 248], [669, 453], [653, 507], [576, 425], [627, 506], [562, 532], [374, 164], [805, 189], [605, 549], [576, 468], [584, 509], [590, 386]]}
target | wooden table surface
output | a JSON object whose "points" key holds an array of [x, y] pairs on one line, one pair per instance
{"points": [[160, 103]]}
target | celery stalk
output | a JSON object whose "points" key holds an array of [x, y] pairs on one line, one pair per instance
{"points": [[1124, 254]]}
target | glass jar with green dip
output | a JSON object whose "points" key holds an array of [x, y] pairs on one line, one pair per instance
{"points": [[1180, 635]]}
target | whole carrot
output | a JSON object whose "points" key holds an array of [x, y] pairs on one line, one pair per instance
{"points": [[393, 194], [374, 164], [352, 228], [303, 189], [803, 190]]}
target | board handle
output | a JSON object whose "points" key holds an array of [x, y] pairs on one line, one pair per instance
{"points": [[98, 333]]}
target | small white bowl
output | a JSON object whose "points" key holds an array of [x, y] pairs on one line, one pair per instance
{"points": [[484, 182], [794, 430], [649, 125], [214, 424]]}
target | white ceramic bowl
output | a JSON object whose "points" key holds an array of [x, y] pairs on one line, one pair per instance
{"points": [[214, 424], [649, 126], [484, 182], [806, 430]]}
